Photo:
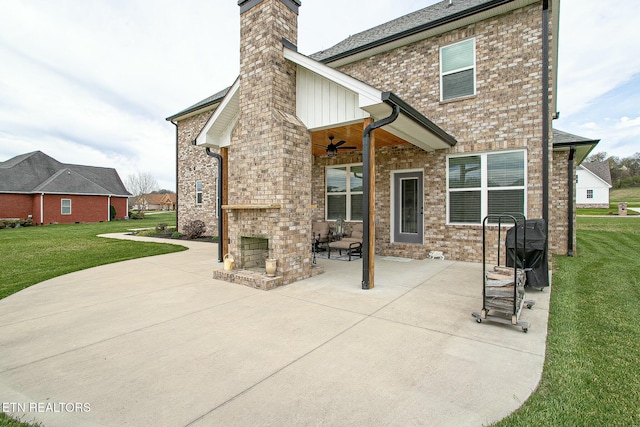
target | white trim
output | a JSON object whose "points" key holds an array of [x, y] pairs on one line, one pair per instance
{"points": [[201, 192], [473, 41], [367, 95], [484, 188], [581, 167], [62, 207], [217, 131], [346, 193]]}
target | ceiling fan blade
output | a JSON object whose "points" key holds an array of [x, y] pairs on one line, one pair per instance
{"points": [[338, 144], [347, 148]]}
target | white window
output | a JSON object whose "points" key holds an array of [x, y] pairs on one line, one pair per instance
{"points": [[589, 194], [483, 184], [344, 192], [198, 192], [65, 206], [458, 70]]}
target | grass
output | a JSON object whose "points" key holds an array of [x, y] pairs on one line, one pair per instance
{"points": [[33, 254], [629, 195], [591, 375], [7, 421]]}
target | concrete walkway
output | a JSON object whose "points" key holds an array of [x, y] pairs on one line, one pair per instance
{"points": [[157, 342]]}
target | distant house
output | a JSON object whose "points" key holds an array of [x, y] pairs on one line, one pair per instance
{"points": [[38, 186], [156, 202], [593, 182]]}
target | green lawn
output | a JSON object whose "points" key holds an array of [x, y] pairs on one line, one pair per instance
{"points": [[629, 195], [591, 374], [30, 255]]}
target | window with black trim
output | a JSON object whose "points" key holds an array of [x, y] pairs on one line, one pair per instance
{"points": [[589, 194]]}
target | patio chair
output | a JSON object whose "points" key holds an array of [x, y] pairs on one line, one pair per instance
{"points": [[321, 234], [351, 244]]}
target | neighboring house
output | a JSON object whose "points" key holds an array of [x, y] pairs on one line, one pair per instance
{"points": [[38, 186], [155, 202], [443, 109], [593, 182]]}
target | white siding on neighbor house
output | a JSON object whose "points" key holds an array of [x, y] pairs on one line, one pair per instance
{"points": [[321, 102], [587, 180]]}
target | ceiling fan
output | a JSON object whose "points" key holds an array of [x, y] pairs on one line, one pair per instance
{"points": [[332, 149]]}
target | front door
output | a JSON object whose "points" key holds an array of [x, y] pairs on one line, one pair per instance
{"points": [[408, 197]]}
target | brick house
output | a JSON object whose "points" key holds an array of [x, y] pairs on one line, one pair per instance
{"points": [[155, 202], [36, 185], [449, 109]]}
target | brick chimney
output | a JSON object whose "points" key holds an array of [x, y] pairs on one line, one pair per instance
{"points": [[270, 153]]}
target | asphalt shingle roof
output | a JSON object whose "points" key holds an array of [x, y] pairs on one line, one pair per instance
{"points": [[601, 170], [400, 27], [37, 172], [414, 22]]}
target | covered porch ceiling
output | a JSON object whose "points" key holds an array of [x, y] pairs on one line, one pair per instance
{"points": [[352, 134]]}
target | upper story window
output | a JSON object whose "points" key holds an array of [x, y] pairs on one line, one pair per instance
{"points": [[458, 70], [344, 192], [589, 194], [65, 206], [198, 192], [483, 184]]}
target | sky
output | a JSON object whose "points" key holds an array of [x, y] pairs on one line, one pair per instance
{"points": [[91, 81]]}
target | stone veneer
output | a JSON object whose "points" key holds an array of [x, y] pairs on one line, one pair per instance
{"points": [[193, 165]]}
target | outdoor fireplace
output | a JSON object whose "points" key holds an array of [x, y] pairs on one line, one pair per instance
{"points": [[252, 251]]}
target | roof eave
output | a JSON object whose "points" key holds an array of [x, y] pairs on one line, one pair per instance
{"points": [[414, 31]]}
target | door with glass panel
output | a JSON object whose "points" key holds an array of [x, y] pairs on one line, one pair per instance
{"points": [[408, 205]]}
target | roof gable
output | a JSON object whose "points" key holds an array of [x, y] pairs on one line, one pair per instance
{"points": [[69, 181], [601, 170], [37, 172]]}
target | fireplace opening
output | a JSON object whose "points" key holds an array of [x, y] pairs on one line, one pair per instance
{"points": [[253, 251]]}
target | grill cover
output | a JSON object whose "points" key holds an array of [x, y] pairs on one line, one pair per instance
{"points": [[530, 252]]}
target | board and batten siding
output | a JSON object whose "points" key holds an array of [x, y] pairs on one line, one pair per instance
{"points": [[321, 103]]}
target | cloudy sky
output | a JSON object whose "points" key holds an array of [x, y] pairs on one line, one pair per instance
{"points": [[92, 81]]}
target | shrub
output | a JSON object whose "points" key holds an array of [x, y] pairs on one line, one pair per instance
{"points": [[176, 235], [194, 229], [112, 212], [161, 227], [136, 215]]}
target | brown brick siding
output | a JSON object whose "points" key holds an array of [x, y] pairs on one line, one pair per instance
{"points": [[270, 152], [504, 114]]}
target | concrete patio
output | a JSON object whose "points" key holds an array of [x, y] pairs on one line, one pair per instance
{"points": [[158, 342]]}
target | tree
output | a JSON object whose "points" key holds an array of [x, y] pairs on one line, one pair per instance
{"points": [[141, 183], [598, 157]]}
